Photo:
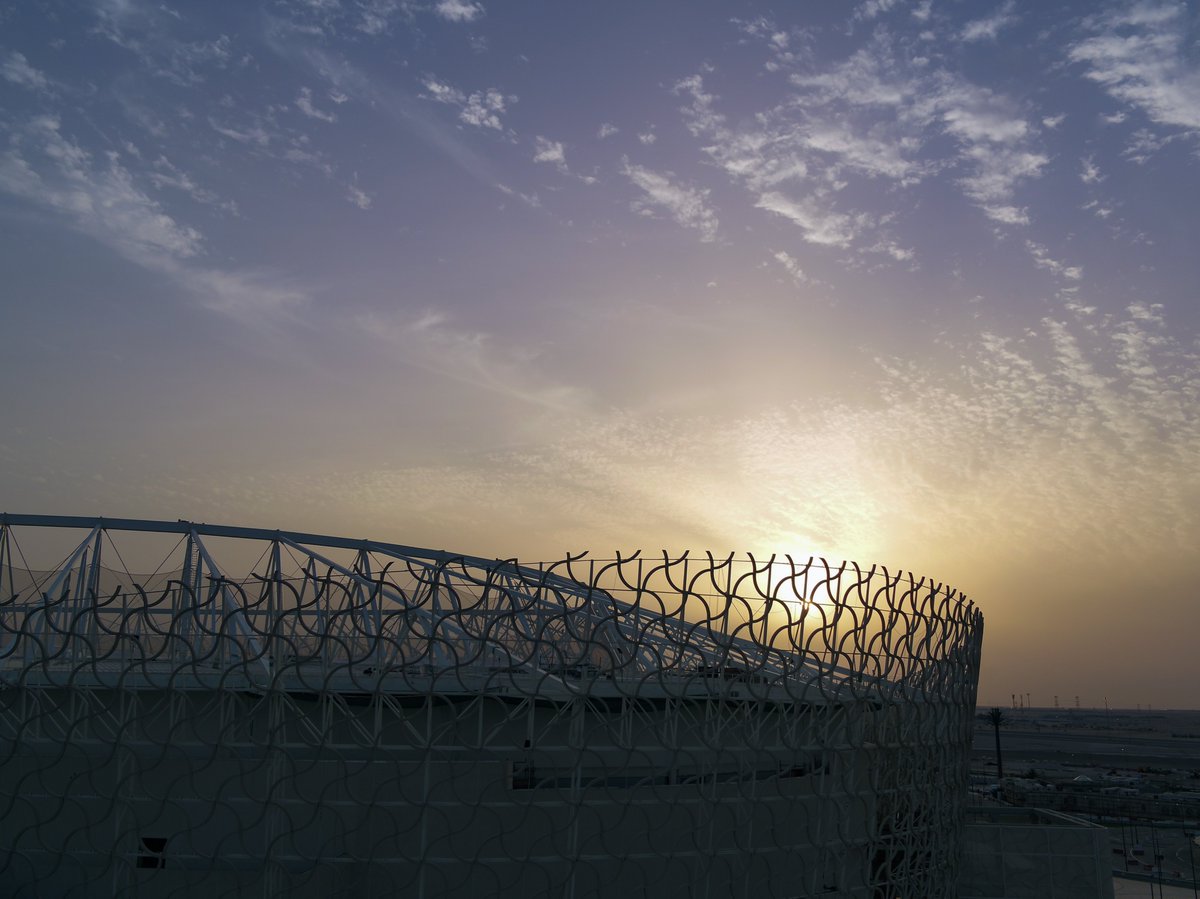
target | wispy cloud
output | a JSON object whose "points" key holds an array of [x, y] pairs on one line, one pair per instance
{"points": [[357, 195], [165, 174], [870, 9], [792, 266], [480, 108], [1042, 259], [685, 204], [998, 170], [151, 33], [254, 133], [45, 167], [304, 102], [1061, 438], [17, 70], [443, 93], [878, 114], [376, 17], [781, 44], [483, 108], [458, 10], [1141, 54], [101, 198], [550, 151], [989, 27], [433, 341], [395, 105], [818, 225]]}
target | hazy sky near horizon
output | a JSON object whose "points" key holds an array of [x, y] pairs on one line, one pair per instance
{"points": [[903, 282]]}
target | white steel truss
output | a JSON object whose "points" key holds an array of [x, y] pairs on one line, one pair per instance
{"points": [[348, 717]]}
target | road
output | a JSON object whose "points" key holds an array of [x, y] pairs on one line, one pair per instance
{"points": [[1089, 748]]}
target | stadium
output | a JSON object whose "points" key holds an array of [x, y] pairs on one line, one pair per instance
{"points": [[197, 709]]}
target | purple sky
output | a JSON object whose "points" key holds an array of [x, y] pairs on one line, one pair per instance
{"points": [[910, 283]]}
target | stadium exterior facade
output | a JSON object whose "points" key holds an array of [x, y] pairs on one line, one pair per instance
{"points": [[348, 718]]}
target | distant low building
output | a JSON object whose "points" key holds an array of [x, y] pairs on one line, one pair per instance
{"points": [[1029, 853]]}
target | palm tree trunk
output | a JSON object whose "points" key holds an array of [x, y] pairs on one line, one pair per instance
{"points": [[999, 760]]}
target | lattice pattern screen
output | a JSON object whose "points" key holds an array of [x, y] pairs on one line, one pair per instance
{"points": [[342, 718]]}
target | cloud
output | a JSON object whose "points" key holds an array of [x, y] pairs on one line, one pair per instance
{"points": [[1069, 441], [647, 137], [894, 250], [186, 61], [254, 134], [17, 70], [458, 10], [1141, 55], [989, 27], [255, 299], [871, 9], [165, 174], [792, 265], [1006, 215], [100, 200], [818, 226], [688, 206], [1041, 258], [304, 103], [1143, 144], [99, 197], [701, 116], [399, 106], [376, 16], [878, 114], [530, 200], [760, 159], [1090, 172], [443, 93], [975, 114], [780, 44], [432, 341], [996, 140], [550, 151], [606, 130], [997, 172], [150, 33], [357, 196], [481, 108]]}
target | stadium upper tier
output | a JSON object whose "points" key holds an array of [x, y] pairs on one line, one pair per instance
{"points": [[310, 612], [189, 708]]}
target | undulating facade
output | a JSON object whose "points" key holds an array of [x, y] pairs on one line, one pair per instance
{"points": [[190, 709]]}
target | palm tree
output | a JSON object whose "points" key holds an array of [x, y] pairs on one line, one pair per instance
{"points": [[996, 718]]}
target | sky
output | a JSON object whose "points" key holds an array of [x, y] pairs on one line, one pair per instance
{"points": [[909, 283]]}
